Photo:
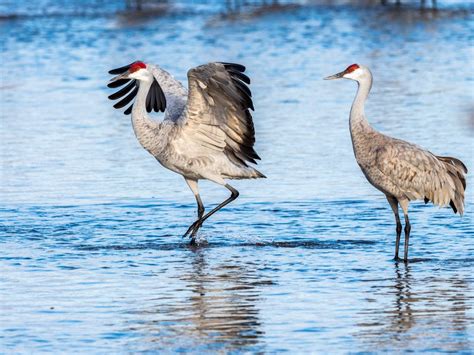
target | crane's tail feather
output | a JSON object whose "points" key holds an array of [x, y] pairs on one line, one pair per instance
{"points": [[456, 171]]}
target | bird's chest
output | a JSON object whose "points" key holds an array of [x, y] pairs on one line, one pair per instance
{"points": [[364, 151]]}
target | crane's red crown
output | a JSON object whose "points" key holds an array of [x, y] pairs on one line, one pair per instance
{"points": [[351, 68], [137, 66]]}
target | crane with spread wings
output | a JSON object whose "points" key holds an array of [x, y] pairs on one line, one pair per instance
{"points": [[207, 131]]}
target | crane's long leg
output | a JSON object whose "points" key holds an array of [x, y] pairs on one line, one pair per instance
{"points": [[394, 204], [197, 224], [193, 185], [407, 237], [404, 205]]}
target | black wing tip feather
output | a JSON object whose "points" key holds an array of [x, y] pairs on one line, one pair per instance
{"points": [[129, 91], [128, 111], [240, 80], [116, 84], [453, 206], [239, 75], [122, 70], [156, 99], [234, 66], [126, 100]]}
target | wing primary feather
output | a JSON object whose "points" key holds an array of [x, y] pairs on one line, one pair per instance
{"points": [[128, 110], [246, 100], [123, 91], [149, 102], [242, 86], [120, 70], [239, 75], [156, 93], [116, 84], [127, 98], [453, 206], [163, 99], [150, 97], [235, 66], [160, 97]]}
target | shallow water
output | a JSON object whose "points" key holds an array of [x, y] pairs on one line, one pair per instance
{"points": [[90, 225]]}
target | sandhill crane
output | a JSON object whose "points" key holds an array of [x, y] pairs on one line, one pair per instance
{"points": [[207, 131], [401, 170]]}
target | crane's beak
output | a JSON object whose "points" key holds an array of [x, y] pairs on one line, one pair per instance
{"points": [[335, 76], [120, 77]]}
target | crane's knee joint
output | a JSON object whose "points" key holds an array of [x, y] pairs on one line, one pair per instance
{"points": [[200, 211], [399, 228], [234, 192], [407, 228]]}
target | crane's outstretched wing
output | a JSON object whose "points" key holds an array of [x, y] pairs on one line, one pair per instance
{"points": [[155, 99], [217, 114], [422, 175]]}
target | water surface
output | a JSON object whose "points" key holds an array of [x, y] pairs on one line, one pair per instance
{"points": [[90, 224]]}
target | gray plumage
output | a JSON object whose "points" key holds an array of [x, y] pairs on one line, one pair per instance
{"points": [[207, 131], [402, 171]]}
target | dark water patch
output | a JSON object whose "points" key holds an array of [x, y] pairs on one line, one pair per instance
{"points": [[185, 245]]}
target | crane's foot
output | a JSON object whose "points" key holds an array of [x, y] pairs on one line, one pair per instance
{"points": [[193, 228], [396, 258]]}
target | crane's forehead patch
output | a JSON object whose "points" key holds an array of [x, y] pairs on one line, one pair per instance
{"points": [[351, 68], [137, 66]]}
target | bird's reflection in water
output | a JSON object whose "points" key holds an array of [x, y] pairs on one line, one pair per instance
{"points": [[219, 311], [403, 318], [412, 311]]}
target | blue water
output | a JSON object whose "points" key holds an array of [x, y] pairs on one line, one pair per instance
{"points": [[91, 254]]}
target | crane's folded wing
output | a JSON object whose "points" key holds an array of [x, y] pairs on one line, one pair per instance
{"points": [[417, 172]]}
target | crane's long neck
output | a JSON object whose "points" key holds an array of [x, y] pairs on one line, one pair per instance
{"points": [[357, 116], [358, 123], [144, 127]]}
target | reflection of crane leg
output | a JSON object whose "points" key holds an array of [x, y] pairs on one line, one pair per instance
{"points": [[394, 204]]}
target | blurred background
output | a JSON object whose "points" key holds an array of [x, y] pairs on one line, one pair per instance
{"points": [[90, 223]]}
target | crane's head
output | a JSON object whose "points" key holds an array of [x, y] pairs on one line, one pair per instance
{"points": [[352, 72], [136, 70], [129, 77]]}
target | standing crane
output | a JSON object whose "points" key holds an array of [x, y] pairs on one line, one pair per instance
{"points": [[207, 131], [402, 171]]}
